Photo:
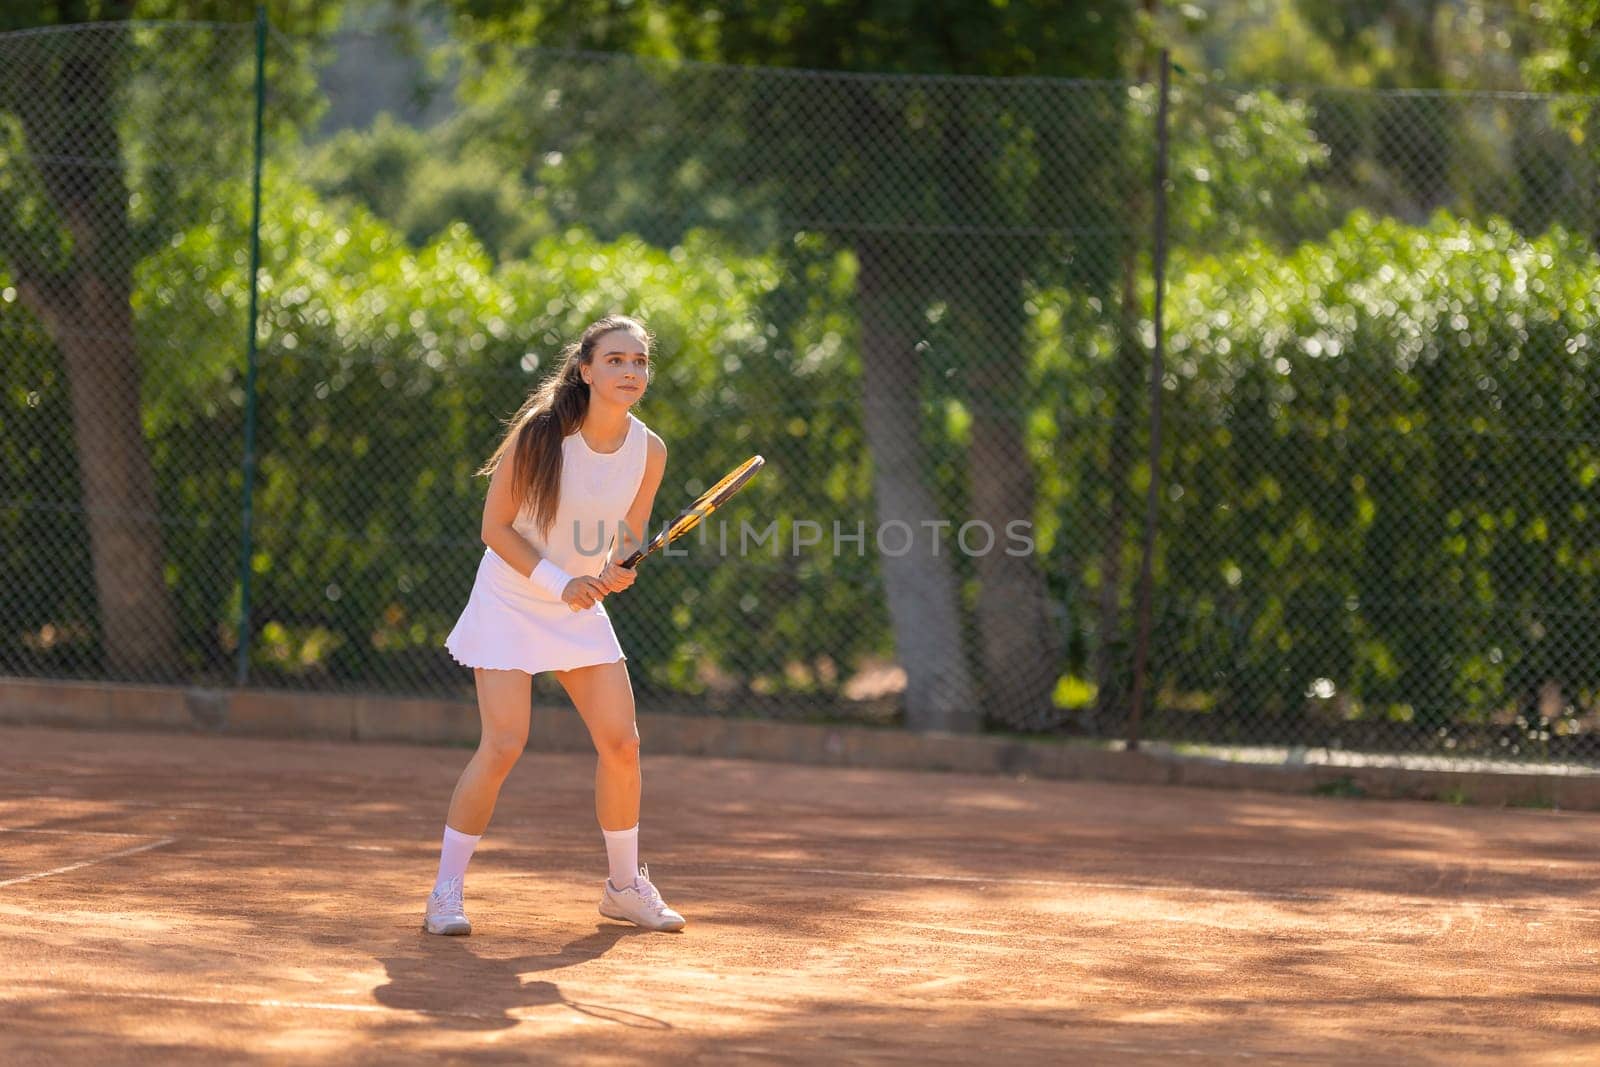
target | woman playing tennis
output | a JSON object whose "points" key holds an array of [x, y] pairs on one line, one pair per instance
{"points": [[574, 464]]}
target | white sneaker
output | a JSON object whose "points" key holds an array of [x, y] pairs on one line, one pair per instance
{"points": [[445, 914], [639, 904]]}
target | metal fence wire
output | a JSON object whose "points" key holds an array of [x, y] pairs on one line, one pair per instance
{"points": [[926, 300]]}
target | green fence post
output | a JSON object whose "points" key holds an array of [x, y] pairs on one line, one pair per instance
{"points": [[242, 675], [1141, 652]]}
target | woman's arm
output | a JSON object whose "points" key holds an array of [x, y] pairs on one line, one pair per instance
{"points": [[499, 513], [635, 531]]}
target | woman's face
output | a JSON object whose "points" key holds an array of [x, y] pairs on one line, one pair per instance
{"points": [[619, 370]]}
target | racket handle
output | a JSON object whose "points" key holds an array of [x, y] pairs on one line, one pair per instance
{"points": [[632, 560]]}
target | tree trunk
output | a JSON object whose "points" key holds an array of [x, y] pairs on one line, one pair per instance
{"points": [[1021, 651], [68, 120], [118, 485], [920, 584]]}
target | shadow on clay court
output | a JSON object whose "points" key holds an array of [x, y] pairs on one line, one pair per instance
{"points": [[446, 980]]}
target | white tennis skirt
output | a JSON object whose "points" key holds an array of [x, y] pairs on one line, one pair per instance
{"points": [[509, 624]]}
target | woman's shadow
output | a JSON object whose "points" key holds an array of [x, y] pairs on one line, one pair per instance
{"points": [[453, 986]]}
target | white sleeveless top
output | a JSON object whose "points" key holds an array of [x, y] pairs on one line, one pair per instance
{"points": [[597, 489]]}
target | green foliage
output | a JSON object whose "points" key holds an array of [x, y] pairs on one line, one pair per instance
{"points": [[1571, 61], [384, 372], [1376, 461], [424, 182], [1242, 165], [177, 117], [1354, 44], [1267, 43], [633, 148], [1405, 154], [293, 16], [29, 218], [933, 37]]}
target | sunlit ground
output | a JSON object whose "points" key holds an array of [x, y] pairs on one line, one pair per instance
{"points": [[176, 898]]}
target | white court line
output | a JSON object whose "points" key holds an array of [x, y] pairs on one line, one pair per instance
{"points": [[87, 863], [255, 842], [187, 805]]}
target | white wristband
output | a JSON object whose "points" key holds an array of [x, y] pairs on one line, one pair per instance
{"points": [[551, 578]]}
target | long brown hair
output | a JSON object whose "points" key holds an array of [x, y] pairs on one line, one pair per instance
{"points": [[552, 412]]}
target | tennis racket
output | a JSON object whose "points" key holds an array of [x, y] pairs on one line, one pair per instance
{"points": [[705, 504]]}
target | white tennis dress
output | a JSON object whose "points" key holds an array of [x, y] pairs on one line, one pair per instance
{"points": [[511, 624]]}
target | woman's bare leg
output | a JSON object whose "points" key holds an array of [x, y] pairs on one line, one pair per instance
{"points": [[503, 705], [604, 699], [504, 700]]}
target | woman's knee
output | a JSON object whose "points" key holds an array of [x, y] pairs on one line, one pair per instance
{"points": [[503, 711], [620, 748], [500, 752]]}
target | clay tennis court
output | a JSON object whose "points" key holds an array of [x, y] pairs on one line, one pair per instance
{"points": [[176, 898]]}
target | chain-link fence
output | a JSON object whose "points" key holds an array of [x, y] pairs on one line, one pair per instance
{"points": [[1378, 526], [927, 301]]}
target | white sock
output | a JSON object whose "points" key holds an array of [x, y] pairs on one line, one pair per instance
{"points": [[622, 850], [454, 855]]}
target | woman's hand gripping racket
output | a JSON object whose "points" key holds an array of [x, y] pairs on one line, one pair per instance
{"points": [[708, 501]]}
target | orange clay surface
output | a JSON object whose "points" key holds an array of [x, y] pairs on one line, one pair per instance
{"points": [[181, 899]]}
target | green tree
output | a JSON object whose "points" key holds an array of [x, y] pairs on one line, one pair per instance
{"points": [[1569, 59], [425, 182], [79, 205], [1569, 62], [1449, 145], [1362, 44]]}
